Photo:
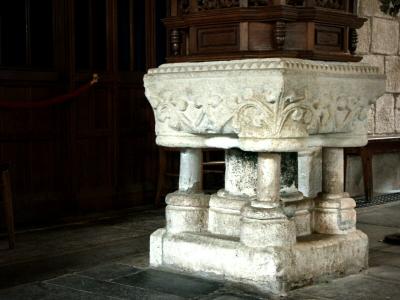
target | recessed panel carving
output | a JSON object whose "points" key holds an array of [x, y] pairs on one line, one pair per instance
{"points": [[213, 39], [329, 38]]}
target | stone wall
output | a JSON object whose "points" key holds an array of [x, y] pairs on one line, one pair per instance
{"points": [[379, 43]]}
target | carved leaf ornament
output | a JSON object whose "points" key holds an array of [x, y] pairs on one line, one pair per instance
{"points": [[256, 113]]}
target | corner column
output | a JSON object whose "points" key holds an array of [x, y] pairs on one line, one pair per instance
{"points": [[240, 188], [187, 208], [264, 223], [334, 209]]}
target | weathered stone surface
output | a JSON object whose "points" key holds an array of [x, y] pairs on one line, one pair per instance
{"points": [[261, 228], [268, 178], [384, 115], [385, 36], [397, 115], [376, 61], [190, 171], [187, 212], [224, 213], [262, 104], [335, 216], [369, 8], [289, 170], [332, 171], [392, 67], [371, 120], [364, 38], [275, 269], [240, 188], [301, 211], [375, 9], [310, 172], [156, 244], [240, 172]]}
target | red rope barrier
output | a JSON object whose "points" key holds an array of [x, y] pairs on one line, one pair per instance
{"points": [[49, 102]]}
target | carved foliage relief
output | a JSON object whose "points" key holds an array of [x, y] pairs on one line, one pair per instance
{"points": [[209, 107]]}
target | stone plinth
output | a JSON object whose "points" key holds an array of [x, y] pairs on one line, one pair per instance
{"points": [[260, 230]]}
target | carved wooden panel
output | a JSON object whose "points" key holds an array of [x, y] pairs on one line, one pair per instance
{"points": [[328, 38], [295, 33], [258, 40], [212, 39]]}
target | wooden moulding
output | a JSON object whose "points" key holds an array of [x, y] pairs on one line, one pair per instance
{"points": [[201, 30]]}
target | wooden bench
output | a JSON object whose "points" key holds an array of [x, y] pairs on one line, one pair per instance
{"points": [[376, 145], [7, 202]]}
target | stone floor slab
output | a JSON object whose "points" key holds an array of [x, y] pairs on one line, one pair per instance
{"points": [[170, 283], [50, 267], [42, 291], [357, 287], [109, 272], [382, 258], [109, 289], [138, 261], [382, 216], [389, 273], [376, 234]]}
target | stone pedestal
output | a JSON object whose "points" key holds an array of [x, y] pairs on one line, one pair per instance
{"points": [[256, 231]]}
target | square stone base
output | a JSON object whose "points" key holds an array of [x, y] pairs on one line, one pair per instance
{"points": [[275, 269]]}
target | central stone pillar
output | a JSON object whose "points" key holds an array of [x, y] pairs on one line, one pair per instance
{"points": [[334, 209], [240, 189], [295, 205], [264, 223]]}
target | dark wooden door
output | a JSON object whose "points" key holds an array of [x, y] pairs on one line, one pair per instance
{"points": [[97, 152]]}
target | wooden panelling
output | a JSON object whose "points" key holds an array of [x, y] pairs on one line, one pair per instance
{"points": [[225, 30], [295, 33], [258, 40], [328, 38], [98, 151], [211, 39]]}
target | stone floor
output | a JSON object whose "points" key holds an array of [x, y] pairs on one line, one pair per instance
{"points": [[107, 258]]}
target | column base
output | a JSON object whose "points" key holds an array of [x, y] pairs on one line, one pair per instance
{"points": [[335, 214], [300, 209], [224, 213], [186, 212], [273, 269], [266, 227]]}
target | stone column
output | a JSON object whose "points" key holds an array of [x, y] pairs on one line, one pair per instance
{"points": [[240, 188], [294, 204], [187, 209], [264, 224], [334, 209], [310, 172]]}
